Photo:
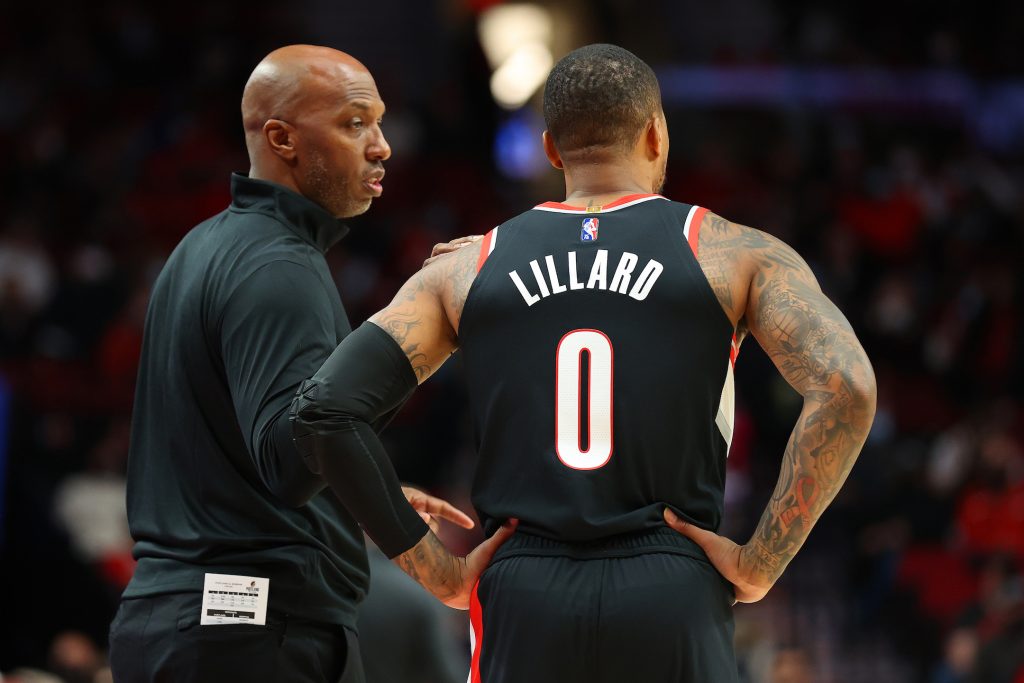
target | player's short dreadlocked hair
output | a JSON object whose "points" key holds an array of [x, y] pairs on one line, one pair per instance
{"points": [[599, 96]]}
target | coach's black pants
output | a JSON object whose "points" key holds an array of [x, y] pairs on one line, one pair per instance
{"points": [[160, 639], [645, 607]]}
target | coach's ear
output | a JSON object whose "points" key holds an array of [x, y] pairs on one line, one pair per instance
{"points": [[281, 138], [551, 151]]}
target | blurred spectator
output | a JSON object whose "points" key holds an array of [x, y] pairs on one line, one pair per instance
{"points": [[792, 665], [91, 507], [75, 658], [27, 282], [961, 652], [990, 517]]}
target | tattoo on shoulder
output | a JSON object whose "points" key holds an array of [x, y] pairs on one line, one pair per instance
{"points": [[402, 318], [722, 245], [445, 282], [461, 273]]}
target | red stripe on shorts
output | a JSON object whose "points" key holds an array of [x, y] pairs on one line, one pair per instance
{"points": [[476, 620]]}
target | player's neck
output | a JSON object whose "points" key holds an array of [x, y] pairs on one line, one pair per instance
{"points": [[600, 184]]}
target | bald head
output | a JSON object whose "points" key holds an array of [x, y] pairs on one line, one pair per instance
{"points": [[311, 116], [291, 78]]}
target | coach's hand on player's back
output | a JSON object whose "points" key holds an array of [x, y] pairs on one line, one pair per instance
{"points": [[730, 559], [449, 577], [443, 248]]}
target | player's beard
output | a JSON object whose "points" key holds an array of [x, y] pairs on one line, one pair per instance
{"points": [[660, 185]]}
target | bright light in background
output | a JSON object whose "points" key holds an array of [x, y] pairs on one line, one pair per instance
{"points": [[518, 78], [505, 28], [516, 40]]}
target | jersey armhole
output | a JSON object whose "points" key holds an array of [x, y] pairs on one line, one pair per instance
{"points": [[691, 228], [691, 236], [486, 247], [691, 231]]}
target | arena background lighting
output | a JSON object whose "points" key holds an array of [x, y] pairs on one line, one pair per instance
{"points": [[516, 41]]}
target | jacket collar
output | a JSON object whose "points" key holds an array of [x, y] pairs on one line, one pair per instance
{"points": [[305, 218]]}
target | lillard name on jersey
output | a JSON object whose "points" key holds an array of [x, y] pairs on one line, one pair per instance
{"points": [[548, 283]]}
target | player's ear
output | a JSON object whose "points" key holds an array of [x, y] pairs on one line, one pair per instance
{"points": [[281, 138], [655, 137], [551, 151]]}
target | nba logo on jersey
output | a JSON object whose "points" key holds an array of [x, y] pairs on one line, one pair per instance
{"points": [[589, 231]]}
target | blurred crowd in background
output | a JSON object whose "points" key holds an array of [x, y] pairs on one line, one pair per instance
{"points": [[885, 142]]}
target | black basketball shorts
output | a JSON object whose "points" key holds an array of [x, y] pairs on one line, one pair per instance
{"points": [[642, 607]]}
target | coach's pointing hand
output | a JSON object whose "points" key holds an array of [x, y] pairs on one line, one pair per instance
{"points": [[732, 561]]}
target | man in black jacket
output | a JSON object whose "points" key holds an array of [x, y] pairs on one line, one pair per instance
{"points": [[250, 563]]}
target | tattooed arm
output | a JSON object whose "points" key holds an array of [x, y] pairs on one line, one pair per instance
{"points": [[371, 373], [815, 349], [449, 577], [424, 316], [424, 320]]}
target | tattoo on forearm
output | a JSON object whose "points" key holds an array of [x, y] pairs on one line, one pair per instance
{"points": [[817, 352], [431, 565], [764, 557]]}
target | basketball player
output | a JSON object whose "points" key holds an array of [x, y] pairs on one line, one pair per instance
{"points": [[599, 336]]}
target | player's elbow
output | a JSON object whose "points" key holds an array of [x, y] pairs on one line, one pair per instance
{"points": [[282, 468], [863, 389], [332, 403], [318, 419]]}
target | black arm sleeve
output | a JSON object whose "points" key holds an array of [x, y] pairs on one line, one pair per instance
{"points": [[276, 330], [365, 378]]}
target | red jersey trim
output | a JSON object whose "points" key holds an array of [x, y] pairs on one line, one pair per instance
{"points": [[486, 247], [691, 231], [619, 203]]}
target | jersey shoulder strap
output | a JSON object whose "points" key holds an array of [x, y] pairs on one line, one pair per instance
{"points": [[502, 232], [487, 245], [691, 226], [694, 218]]}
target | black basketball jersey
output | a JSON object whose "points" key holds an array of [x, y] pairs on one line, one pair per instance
{"points": [[599, 365]]}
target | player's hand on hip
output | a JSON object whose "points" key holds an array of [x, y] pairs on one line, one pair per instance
{"points": [[443, 248], [432, 509], [480, 558], [730, 559], [449, 577]]}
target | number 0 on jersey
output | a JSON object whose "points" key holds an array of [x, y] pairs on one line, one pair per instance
{"points": [[569, 399]]}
